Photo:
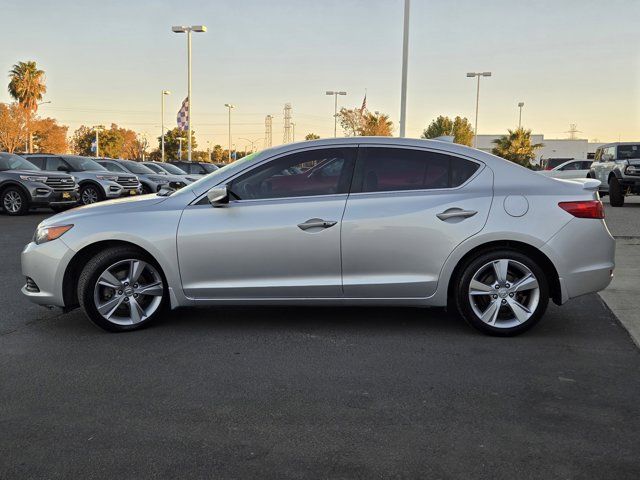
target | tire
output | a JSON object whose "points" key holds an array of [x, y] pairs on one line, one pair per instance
{"points": [[501, 308], [616, 194], [110, 297], [90, 193], [146, 190], [14, 201]]}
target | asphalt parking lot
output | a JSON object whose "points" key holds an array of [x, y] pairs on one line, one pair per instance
{"points": [[320, 393]]}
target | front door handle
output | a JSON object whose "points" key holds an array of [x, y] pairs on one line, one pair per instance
{"points": [[316, 223], [455, 213]]}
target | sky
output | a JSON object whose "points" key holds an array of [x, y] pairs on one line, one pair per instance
{"points": [[570, 62]]}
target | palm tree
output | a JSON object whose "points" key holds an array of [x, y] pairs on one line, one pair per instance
{"points": [[516, 147], [26, 86]]}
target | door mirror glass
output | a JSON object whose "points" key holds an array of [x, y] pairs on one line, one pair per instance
{"points": [[218, 196]]}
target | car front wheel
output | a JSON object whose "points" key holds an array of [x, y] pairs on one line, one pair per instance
{"points": [[14, 201], [502, 292], [122, 289], [90, 194]]}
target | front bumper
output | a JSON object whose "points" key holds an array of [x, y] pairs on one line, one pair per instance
{"points": [[45, 264], [53, 199], [582, 270], [130, 192]]}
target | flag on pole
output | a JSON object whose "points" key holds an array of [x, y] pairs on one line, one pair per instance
{"points": [[183, 115], [93, 146], [364, 102]]}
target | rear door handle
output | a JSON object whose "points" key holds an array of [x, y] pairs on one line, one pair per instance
{"points": [[316, 223], [455, 213]]}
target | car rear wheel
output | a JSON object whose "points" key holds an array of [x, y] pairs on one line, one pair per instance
{"points": [[122, 289], [502, 292], [616, 194], [90, 194], [14, 201]]}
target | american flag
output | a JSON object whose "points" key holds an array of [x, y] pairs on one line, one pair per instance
{"points": [[183, 115], [364, 103]]}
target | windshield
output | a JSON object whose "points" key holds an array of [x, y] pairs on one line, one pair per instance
{"points": [[9, 161], [209, 167], [168, 167], [83, 164], [155, 168], [628, 151], [135, 167]]}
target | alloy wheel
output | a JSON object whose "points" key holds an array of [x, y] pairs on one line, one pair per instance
{"points": [[12, 201], [504, 293], [89, 195], [128, 292]]}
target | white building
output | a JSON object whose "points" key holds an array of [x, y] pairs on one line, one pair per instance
{"points": [[553, 147]]}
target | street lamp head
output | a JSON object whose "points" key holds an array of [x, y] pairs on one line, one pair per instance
{"points": [[229, 105], [166, 92], [342, 93], [199, 28], [471, 74], [486, 74], [521, 104], [179, 29], [330, 92]]}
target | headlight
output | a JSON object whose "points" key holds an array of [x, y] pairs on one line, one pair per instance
{"points": [[33, 178], [632, 170], [46, 234], [113, 178]]}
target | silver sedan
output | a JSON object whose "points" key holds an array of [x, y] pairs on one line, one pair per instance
{"points": [[355, 221]]}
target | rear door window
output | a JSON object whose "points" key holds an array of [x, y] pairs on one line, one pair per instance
{"points": [[57, 164], [383, 169]]}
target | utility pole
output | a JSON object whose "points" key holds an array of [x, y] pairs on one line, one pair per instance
{"points": [[268, 131], [293, 132], [286, 138], [405, 60]]}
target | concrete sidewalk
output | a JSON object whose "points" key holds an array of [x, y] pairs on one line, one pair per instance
{"points": [[623, 295]]}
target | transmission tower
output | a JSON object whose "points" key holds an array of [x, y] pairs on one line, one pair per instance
{"points": [[573, 131], [286, 138], [268, 125]]}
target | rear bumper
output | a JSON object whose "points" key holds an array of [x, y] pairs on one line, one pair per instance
{"points": [[583, 252]]}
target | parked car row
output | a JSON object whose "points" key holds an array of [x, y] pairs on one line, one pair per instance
{"points": [[616, 165], [64, 181]]}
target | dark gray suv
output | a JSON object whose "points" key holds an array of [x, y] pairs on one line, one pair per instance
{"points": [[24, 186]]}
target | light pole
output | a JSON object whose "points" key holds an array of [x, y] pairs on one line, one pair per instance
{"points": [[164, 93], [97, 129], [520, 105], [252, 142], [229, 106], [293, 131], [335, 110], [188, 30], [405, 58], [471, 75]]}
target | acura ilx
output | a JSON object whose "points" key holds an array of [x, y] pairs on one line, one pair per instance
{"points": [[353, 221]]}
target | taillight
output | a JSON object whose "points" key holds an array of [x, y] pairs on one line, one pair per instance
{"points": [[584, 209]]}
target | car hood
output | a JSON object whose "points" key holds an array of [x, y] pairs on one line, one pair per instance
{"points": [[37, 173], [107, 207]]}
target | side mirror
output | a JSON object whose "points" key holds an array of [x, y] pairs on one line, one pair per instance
{"points": [[218, 196]]}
